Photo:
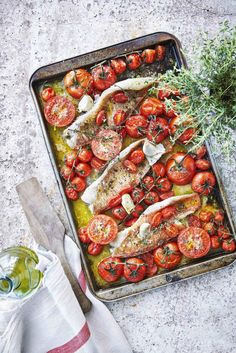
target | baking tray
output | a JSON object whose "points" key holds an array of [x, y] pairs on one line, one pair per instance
{"points": [[175, 56]]}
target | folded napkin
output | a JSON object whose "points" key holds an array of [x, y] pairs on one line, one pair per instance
{"points": [[51, 320]]}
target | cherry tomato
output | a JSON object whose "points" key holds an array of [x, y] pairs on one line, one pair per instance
{"points": [[210, 228], [205, 216], [229, 245], [67, 173], [119, 97], [148, 56], [160, 52], [95, 249], [137, 195], [104, 77], [151, 106], [223, 232], [136, 126], [71, 159], [119, 117], [84, 154], [151, 267], [97, 163], [215, 242], [167, 256], [83, 235], [148, 182], [202, 164], [156, 219], [130, 222], [168, 212], [194, 221], [111, 269], [219, 216], [151, 198], [158, 130], [78, 82], [130, 166], [106, 145], [137, 211], [159, 169], [83, 170], [71, 193], [101, 117], [203, 183], [134, 61], [123, 132], [200, 152], [137, 156], [163, 185], [127, 190], [194, 242], [59, 111], [78, 183], [180, 168], [187, 135], [115, 201], [47, 93], [102, 229], [166, 195], [170, 113], [164, 93], [134, 269], [119, 212], [118, 65], [172, 230]]}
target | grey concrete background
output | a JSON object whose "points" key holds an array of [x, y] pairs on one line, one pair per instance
{"points": [[194, 316]]}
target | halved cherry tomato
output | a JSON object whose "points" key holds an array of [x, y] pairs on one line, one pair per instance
{"points": [[95, 249], [159, 169], [67, 173], [83, 170], [59, 111], [137, 195], [115, 201], [119, 212], [106, 145], [168, 212], [194, 242], [118, 65], [47, 93], [219, 216], [71, 193], [151, 106], [202, 164], [160, 52], [223, 232], [203, 183], [205, 216], [84, 154], [194, 221], [180, 168], [151, 198], [131, 221], [163, 185], [103, 77], [78, 82], [134, 269], [83, 235], [102, 229], [97, 163], [111, 269], [78, 183], [136, 125], [158, 130], [156, 219], [71, 159], [101, 117], [148, 56], [119, 117], [134, 61], [210, 228], [119, 97], [166, 195], [229, 245], [137, 156], [215, 242], [137, 211], [167, 256], [200, 152], [130, 166], [148, 182], [151, 267]]}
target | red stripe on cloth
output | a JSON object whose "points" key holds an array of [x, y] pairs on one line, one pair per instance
{"points": [[75, 343], [82, 281]]}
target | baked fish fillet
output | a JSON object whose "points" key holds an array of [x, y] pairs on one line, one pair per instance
{"points": [[132, 242]]}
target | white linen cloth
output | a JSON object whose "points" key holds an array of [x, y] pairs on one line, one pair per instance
{"points": [[51, 320]]}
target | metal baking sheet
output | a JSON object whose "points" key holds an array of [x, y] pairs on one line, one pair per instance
{"points": [[174, 57]]}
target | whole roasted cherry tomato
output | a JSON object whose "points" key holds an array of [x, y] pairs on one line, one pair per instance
{"points": [[178, 122], [67, 173], [151, 198], [187, 135], [123, 132], [83, 170], [205, 216], [210, 228], [134, 61], [194, 221], [200, 152], [219, 216], [151, 267], [111, 269], [229, 245], [158, 130], [167, 256], [134, 269], [71, 193], [148, 182], [104, 77], [59, 111], [97, 163], [130, 166], [156, 219], [160, 52], [119, 97], [215, 242], [137, 211], [136, 126], [163, 185], [164, 93], [83, 235], [131, 221], [119, 117], [95, 249], [159, 169], [47, 93], [137, 195], [119, 212], [78, 82], [118, 65], [194, 242], [148, 56], [168, 212], [101, 117], [151, 106], [137, 156], [78, 183], [202, 164], [180, 168], [223, 232], [102, 229], [166, 195], [85, 154], [203, 183], [71, 159]]}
